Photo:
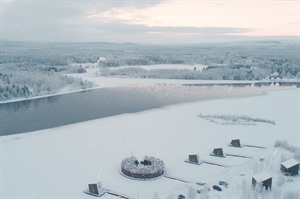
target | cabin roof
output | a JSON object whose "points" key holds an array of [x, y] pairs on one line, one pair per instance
{"points": [[262, 176], [290, 163]]}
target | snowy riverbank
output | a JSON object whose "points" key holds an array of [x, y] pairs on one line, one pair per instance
{"points": [[60, 162], [92, 75]]}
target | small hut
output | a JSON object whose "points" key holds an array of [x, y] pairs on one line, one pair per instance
{"points": [[218, 152], [95, 189], [194, 159], [264, 179], [235, 143], [290, 167]]}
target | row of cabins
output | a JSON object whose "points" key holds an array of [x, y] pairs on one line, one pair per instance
{"points": [[218, 152], [289, 167]]}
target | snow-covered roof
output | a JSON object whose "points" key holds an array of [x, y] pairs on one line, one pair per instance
{"points": [[262, 176], [290, 163]]}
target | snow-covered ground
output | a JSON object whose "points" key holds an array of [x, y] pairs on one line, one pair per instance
{"points": [[63, 91], [92, 75], [60, 162], [165, 67]]}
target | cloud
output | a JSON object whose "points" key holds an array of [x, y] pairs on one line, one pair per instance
{"points": [[38, 19], [265, 17], [143, 21]]}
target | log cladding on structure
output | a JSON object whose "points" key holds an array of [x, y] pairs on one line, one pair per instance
{"points": [[149, 168]]}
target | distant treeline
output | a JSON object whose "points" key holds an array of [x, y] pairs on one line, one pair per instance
{"points": [[220, 73], [29, 69]]}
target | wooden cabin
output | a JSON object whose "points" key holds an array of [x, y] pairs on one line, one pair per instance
{"points": [[218, 152], [194, 158], [95, 189], [290, 167], [264, 179], [235, 143]]}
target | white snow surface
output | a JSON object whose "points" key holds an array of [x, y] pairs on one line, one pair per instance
{"points": [[290, 163], [260, 177], [104, 82], [165, 67], [61, 162]]}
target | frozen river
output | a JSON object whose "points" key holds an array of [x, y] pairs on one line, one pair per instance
{"points": [[36, 114]]}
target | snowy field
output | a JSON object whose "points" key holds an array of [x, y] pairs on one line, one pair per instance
{"points": [[92, 75], [104, 82], [165, 67], [60, 162]]}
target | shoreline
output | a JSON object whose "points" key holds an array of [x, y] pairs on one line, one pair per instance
{"points": [[45, 96], [149, 82]]}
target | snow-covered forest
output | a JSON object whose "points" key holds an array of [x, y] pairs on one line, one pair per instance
{"points": [[20, 84], [235, 61], [33, 69]]}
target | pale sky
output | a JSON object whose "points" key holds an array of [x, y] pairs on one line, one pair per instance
{"points": [[148, 21]]}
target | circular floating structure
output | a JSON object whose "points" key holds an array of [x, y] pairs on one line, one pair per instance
{"points": [[147, 169]]}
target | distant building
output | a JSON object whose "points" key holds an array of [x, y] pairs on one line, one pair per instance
{"points": [[290, 167], [218, 152], [235, 143], [264, 179], [274, 75]]}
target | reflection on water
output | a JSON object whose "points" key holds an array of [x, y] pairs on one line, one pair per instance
{"points": [[48, 112]]}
